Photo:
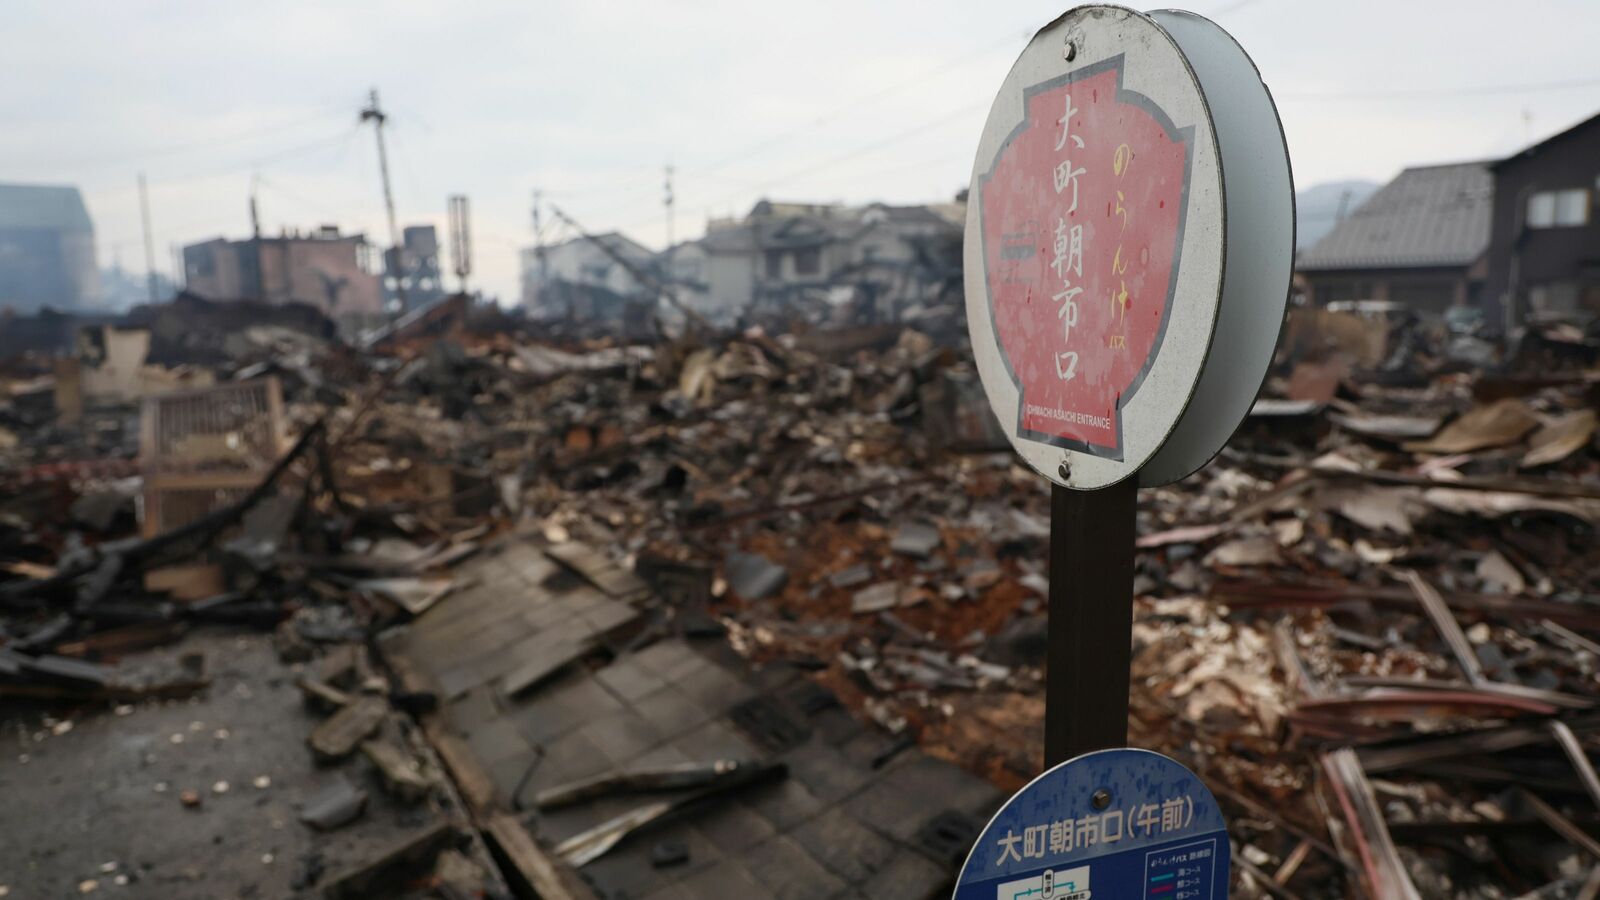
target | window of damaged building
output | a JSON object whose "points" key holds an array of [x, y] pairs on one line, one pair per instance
{"points": [[808, 261]]}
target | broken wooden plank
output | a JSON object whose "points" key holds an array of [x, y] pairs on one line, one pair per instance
{"points": [[1261, 879], [1382, 870], [1246, 594], [1568, 741], [343, 732], [1292, 863], [1405, 754], [548, 879], [415, 595], [1549, 487], [1571, 638], [1561, 824], [475, 786], [1448, 627], [186, 582], [401, 776], [117, 641], [531, 673], [600, 570], [320, 695]]}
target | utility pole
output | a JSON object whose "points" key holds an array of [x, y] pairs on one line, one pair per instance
{"points": [[149, 242], [395, 263], [255, 214], [180, 272], [1344, 202], [668, 202], [538, 251], [461, 239]]}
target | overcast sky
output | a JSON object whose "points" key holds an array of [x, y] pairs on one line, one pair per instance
{"points": [[588, 100]]}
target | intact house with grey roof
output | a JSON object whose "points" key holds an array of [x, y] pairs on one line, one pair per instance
{"points": [[1421, 240], [46, 249], [1544, 245]]}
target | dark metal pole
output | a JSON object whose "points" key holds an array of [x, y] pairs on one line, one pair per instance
{"points": [[395, 263], [1091, 619], [149, 242]]}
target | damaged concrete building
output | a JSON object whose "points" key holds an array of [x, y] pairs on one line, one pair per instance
{"points": [[337, 273], [47, 254]]}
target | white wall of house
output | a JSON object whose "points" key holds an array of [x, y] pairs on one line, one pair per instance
{"points": [[577, 261], [730, 281], [686, 263]]}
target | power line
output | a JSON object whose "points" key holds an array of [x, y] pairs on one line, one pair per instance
{"points": [[1230, 8], [321, 209], [858, 152], [1011, 38], [1474, 91], [877, 145], [342, 140], [863, 100], [142, 155]]}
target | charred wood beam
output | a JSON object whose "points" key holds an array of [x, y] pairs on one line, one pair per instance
{"points": [[1261, 811], [1513, 691], [1406, 754], [1261, 879], [1448, 627], [1560, 824], [1382, 870], [1242, 593], [1541, 488], [1568, 741]]}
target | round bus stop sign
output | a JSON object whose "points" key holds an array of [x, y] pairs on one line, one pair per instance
{"points": [[1129, 242], [1122, 824]]}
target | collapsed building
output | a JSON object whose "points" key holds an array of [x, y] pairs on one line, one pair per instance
{"points": [[489, 607], [783, 263]]}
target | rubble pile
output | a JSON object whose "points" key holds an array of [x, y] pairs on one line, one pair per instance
{"points": [[1370, 625]]}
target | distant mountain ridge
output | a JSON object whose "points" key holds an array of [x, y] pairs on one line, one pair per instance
{"points": [[1319, 207]]}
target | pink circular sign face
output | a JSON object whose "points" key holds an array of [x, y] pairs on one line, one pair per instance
{"points": [[1097, 243], [1083, 215]]}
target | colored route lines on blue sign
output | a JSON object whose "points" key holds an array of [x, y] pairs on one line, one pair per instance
{"points": [[1118, 824]]}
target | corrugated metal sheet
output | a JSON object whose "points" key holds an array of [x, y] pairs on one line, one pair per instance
{"points": [[1426, 216]]}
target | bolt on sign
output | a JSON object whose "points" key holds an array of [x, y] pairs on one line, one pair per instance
{"points": [[1129, 242], [1119, 824]]}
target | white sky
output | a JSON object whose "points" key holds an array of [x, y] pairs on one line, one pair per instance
{"points": [[827, 100]]}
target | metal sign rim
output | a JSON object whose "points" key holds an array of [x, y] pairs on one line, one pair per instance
{"points": [[974, 214], [1174, 461]]}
